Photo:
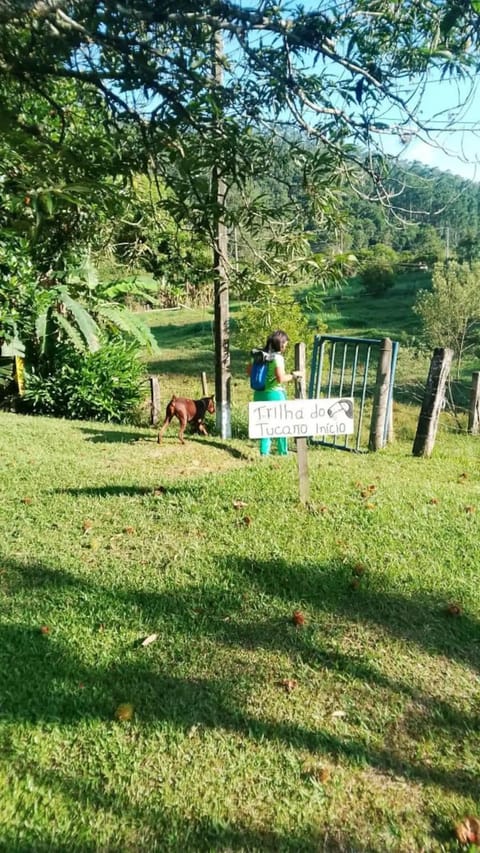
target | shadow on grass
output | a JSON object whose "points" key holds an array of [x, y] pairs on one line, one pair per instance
{"points": [[168, 829], [113, 437], [45, 678]]}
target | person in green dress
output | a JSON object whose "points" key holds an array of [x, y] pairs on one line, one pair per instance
{"points": [[274, 390]]}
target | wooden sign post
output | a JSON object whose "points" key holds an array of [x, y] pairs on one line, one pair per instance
{"points": [[301, 443]]}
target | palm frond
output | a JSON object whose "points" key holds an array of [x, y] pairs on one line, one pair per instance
{"points": [[85, 322], [71, 332], [129, 323]]}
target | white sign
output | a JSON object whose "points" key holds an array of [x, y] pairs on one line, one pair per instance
{"points": [[300, 418]]}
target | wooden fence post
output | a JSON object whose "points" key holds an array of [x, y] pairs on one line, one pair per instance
{"points": [[474, 410], [380, 413], [432, 401], [154, 399], [204, 384], [301, 443]]}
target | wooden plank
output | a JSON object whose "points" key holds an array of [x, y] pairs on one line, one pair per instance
{"points": [[301, 443], [154, 399], [474, 410], [432, 401], [378, 429]]}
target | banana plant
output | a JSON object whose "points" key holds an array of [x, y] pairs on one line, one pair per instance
{"points": [[107, 302]]}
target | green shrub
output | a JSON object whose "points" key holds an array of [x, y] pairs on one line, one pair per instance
{"points": [[377, 276], [276, 308], [105, 385]]}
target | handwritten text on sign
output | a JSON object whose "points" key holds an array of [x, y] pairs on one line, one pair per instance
{"points": [[301, 418]]}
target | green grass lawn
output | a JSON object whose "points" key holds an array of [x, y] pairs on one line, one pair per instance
{"points": [[356, 731]]}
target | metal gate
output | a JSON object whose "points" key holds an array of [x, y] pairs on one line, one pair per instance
{"points": [[347, 367]]}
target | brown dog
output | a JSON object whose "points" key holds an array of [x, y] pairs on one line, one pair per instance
{"points": [[187, 411]]}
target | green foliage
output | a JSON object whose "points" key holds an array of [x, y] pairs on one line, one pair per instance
{"points": [[276, 308], [468, 248], [377, 270], [451, 310], [17, 287], [105, 385]]}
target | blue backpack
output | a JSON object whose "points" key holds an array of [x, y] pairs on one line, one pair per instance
{"points": [[259, 369]]}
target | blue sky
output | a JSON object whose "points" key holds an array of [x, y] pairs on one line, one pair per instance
{"points": [[455, 146]]}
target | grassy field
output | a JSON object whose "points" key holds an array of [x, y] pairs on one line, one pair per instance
{"points": [[353, 726]]}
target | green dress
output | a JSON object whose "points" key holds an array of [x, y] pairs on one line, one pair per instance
{"points": [[273, 391]]}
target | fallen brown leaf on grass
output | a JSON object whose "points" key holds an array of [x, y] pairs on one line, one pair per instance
{"points": [[128, 529], [433, 501], [470, 509], [298, 618], [237, 504], [87, 525], [124, 712], [468, 830], [453, 609], [160, 490], [358, 569], [27, 501], [463, 477], [150, 639], [355, 583], [288, 684], [320, 774], [247, 520], [44, 629]]}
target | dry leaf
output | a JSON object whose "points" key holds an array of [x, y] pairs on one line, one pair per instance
{"points": [[370, 506], [453, 609], [355, 583], [87, 525], [239, 504], [150, 639], [288, 684], [129, 529], [323, 774], [159, 491], [44, 629], [124, 712], [468, 831], [247, 520], [469, 509], [27, 501], [433, 500], [298, 618], [463, 477], [358, 569]]}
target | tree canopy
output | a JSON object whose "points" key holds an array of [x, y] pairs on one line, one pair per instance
{"points": [[351, 72], [209, 99]]}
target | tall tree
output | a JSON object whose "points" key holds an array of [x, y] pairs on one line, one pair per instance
{"points": [[335, 72]]}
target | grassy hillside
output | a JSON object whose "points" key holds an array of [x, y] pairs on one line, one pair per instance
{"points": [[311, 677], [185, 338]]}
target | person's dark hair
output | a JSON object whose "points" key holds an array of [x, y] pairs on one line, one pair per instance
{"points": [[276, 340]]}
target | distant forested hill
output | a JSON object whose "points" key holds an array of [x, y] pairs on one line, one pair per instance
{"points": [[427, 203]]}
